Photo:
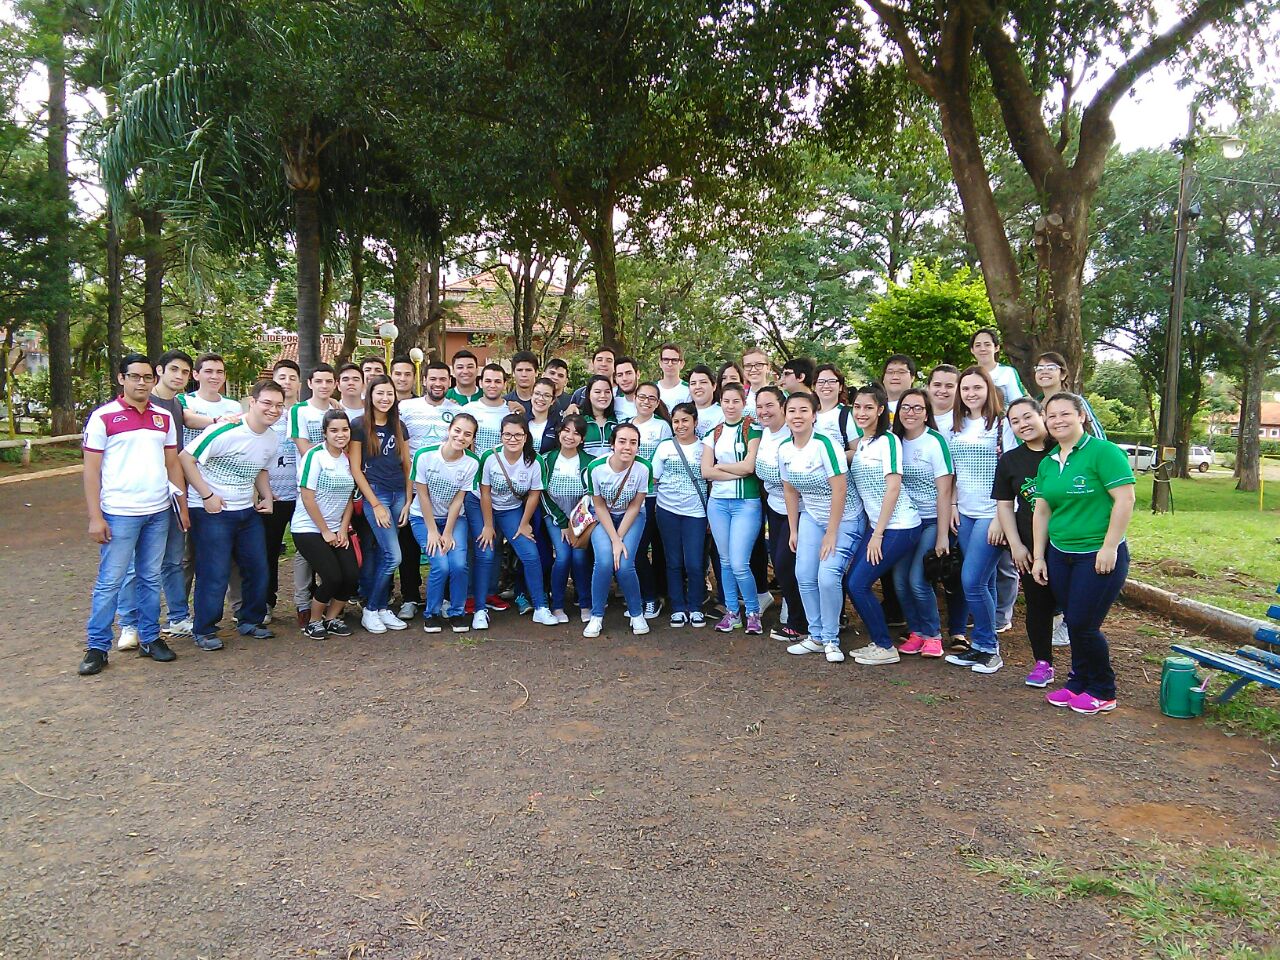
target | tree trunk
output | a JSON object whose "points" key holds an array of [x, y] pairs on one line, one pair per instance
{"points": [[61, 390], [115, 299], [434, 337], [153, 280], [604, 258], [307, 240], [355, 303], [1248, 447]]}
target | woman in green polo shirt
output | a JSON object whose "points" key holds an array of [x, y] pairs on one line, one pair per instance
{"points": [[1084, 499]]}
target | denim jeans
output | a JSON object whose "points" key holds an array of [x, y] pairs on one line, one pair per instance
{"points": [[603, 573], [449, 569], [386, 558], [1085, 597], [896, 545], [218, 538], [735, 524], [684, 542], [915, 592], [172, 581], [784, 568], [136, 541], [978, 574], [471, 524], [821, 582], [568, 558], [505, 525]]}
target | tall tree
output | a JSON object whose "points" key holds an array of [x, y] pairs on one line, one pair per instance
{"points": [[1034, 59]]}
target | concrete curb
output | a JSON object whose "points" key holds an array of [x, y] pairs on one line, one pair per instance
{"points": [[1192, 614], [42, 474]]}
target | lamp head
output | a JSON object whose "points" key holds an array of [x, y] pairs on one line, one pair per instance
{"points": [[416, 355], [1232, 148], [388, 331]]}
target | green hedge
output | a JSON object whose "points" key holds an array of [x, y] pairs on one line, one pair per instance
{"points": [[1227, 444]]}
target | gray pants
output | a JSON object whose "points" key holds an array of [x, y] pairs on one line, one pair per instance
{"points": [[1006, 588]]}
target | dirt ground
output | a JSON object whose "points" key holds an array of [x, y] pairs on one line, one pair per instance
{"points": [[535, 794]]}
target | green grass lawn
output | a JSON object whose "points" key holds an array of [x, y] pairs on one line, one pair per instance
{"points": [[1220, 534]]}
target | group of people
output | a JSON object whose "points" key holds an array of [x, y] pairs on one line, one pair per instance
{"points": [[965, 486]]}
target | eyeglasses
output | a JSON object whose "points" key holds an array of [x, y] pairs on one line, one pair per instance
{"points": [[670, 359], [1048, 367], [541, 395], [513, 436], [897, 372], [826, 382], [911, 408], [268, 405], [755, 366], [140, 377], [646, 398]]}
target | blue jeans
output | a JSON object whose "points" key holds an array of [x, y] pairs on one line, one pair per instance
{"points": [[915, 592], [1085, 597], [684, 543], [897, 544], [218, 537], [470, 526], [568, 558], [978, 576], [171, 580], [505, 524], [450, 568], [386, 558], [136, 541], [821, 582], [735, 525], [603, 573]]}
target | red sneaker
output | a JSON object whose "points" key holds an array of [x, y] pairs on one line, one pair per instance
{"points": [[495, 602], [470, 606]]}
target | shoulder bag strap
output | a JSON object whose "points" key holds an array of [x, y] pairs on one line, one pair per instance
{"points": [[698, 483], [503, 467]]}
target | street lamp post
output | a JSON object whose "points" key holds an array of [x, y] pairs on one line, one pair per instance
{"points": [[417, 356], [388, 332]]}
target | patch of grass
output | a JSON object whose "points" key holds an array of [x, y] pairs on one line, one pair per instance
{"points": [[1217, 531], [1253, 711], [1181, 901], [47, 457]]}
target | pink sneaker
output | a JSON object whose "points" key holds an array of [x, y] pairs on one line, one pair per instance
{"points": [[728, 623], [932, 647], [1060, 698], [1041, 675], [912, 644], [1088, 704], [753, 624]]}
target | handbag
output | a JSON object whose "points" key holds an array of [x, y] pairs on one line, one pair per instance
{"points": [[583, 519]]}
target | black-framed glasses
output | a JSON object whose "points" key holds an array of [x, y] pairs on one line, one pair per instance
{"points": [[140, 377], [826, 382], [911, 408], [513, 436]]}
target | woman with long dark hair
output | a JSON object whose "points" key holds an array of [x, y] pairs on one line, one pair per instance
{"points": [[562, 487]]}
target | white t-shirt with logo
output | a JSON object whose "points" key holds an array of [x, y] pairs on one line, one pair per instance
{"points": [[677, 485], [329, 477], [924, 460], [307, 422], [489, 420], [809, 469], [673, 395], [135, 480], [652, 432], [504, 494], [623, 409], [426, 424], [604, 481], [732, 446], [708, 419], [1007, 379], [767, 467], [442, 478], [221, 407], [231, 456], [975, 451], [283, 469], [873, 463]]}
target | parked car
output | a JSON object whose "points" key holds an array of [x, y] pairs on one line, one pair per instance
{"points": [[1142, 459], [1200, 458]]}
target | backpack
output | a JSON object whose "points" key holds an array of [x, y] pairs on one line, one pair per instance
{"points": [[745, 423]]}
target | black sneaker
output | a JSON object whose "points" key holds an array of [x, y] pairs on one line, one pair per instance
{"points": [[432, 624], [157, 650], [337, 627], [315, 630], [976, 660], [94, 661], [461, 624]]}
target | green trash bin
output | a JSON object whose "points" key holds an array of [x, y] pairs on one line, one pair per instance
{"points": [[1180, 695]]}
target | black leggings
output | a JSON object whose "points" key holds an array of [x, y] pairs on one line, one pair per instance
{"points": [[1040, 609], [335, 567], [784, 568], [274, 525]]}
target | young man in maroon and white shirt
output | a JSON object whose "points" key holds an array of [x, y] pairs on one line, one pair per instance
{"points": [[132, 481]]}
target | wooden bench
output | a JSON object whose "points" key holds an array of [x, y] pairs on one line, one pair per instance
{"points": [[1248, 664]]}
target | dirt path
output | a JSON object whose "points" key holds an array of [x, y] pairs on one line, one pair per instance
{"points": [[679, 795]]}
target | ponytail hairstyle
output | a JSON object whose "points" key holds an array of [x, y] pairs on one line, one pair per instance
{"points": [[876, 393]]}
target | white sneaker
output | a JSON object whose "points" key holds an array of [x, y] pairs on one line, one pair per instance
{"points": [[593, 627], [639, 625], [408, 610], [480, 620], [560, 615], [873, 656], [833, 652], [807, 645], [128, 639], [1005, 627], [766, 601], [390, 620], [1060, 636], [546, 617], [586, 616], [266, 621], [370, 620], [180, 628]]}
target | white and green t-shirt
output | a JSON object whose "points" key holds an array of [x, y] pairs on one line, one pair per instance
{"points": [[731, 447], [767, 467], [509, 494], [489, 423], [330, 478], [222, 407], [924, 460], [442, 478], [1010, 384], [975, 451], [462, 399], [426, 424], [563, 484], [604, 481], [828, 423], [809, 469], [708, 419], [677, 485], [673, 395], [873, 462], [306, 422], [652, 432], [231, 456], [283, 469]]}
